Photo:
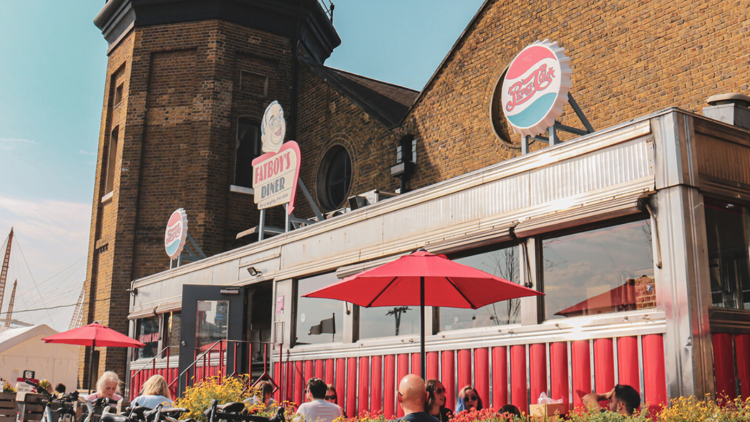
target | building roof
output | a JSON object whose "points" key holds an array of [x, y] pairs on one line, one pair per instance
{"points": [[387, 103], [12, 337]]}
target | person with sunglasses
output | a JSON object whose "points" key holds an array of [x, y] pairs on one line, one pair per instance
{"points": [[331, 396], [468, 399], [435, 405], [317, 409]]}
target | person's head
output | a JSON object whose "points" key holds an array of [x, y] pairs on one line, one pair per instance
{"points": [[60, 388], [435, 398], [108, 385], [625, 400], [266, 390], [510, 410], [471, 399], [316, 389], [331, 395], [412, 394], [156, 386]]}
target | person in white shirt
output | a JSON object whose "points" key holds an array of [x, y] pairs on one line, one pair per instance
{"points": [[317, 409]]}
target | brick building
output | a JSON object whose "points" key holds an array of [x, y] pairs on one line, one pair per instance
{"points": [[187, 83]]}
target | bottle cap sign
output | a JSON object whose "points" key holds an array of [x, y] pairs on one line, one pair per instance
{"points": [[176, 234]]}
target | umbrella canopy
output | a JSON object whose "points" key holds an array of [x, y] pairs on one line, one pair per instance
{"points": [[423, 279]]}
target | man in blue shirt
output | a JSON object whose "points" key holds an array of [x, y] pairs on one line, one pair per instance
{"points": [[412, 395]]}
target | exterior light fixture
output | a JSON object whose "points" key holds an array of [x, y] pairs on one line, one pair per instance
{"points": [[253, 272]]}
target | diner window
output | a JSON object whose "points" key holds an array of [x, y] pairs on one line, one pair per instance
{"points": [[384, 321], [318, 320], [599, 271], [147, 331], [172, 322], [211, 323], [503, 262], [334, 177], [247, 149], [726, 234]]}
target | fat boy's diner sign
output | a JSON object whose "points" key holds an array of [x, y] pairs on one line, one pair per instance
{"points": [[276, 172], [535, 88]]}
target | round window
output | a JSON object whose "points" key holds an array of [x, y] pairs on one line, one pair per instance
{"points": [[334, 177]]}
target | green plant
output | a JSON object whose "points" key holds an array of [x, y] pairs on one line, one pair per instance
{"points": [[691, 409], [582, 415], [225, 390]]}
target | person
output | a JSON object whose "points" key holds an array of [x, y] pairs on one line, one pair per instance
{"points": [[333, 397], [412, 394], [155, 392], [60, 389], [107, 386], [265, 390], [435, 405], [623, 399], [317, 409], [468, 399], [46, 385], [510, 410]]}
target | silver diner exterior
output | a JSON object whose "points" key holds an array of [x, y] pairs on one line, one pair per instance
{"points": [[682, 179]]}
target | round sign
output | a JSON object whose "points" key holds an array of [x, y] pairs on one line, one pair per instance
{"points": [[536, 87], [176, 234]]}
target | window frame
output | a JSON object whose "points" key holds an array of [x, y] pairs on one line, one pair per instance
{"points": [[345, 306], [235, 187], [322, 177]]}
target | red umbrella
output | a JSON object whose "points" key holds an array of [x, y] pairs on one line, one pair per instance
{"points": [[93, 335], [423, 279]]}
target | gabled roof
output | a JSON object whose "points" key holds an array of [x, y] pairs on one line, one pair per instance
{"points": [[387, 103], [12, 337]]}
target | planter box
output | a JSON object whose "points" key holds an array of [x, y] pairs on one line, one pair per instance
{"points": [[549, 411], [7, 407], [29, 406]]}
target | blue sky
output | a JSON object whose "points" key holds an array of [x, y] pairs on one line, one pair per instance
{"points": [[52, 72]]}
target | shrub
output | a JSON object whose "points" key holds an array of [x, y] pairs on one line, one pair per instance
{"points": [[225, 390], [690, 409]]}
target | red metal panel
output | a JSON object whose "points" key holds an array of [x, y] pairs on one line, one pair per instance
{"points": [[537, 370], [320, 369], [604, 365], [299, 382], [330, 368], [403, 370], [376, 392], [581, 371], [499, 377], [289, 387], [433, 366], [742, 348], [627, 362], [464, 368], [364, 384], [558, 366], [723, 365], [482, 374], [389, 387], [654, 374], [341, 382], [351, 386], [518, 378], [449, 378], [416, 364], [277, 378], [309, 373]]}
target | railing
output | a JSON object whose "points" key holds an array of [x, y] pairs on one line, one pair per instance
{"points": [[152, 362], [328, 7]]}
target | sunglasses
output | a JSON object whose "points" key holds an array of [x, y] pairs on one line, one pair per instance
{"points": [[472, 398], [439, 390], [330, 397]]}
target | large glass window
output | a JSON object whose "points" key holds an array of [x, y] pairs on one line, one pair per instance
{"points": [[726, 233], [502, 262], [211, 323], [148, 333], [384, 322], [599, 271], [318, 320]]}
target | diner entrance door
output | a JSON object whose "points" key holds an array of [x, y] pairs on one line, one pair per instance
{"points": [[212, 332]]}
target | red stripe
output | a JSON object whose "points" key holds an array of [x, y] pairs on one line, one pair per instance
{"points": [[581, 371], [482, 374], [299, 383], [499, 377], [403, 370], [351, 386], [723, 365], [320, 369], [464, 368], [289, 374], [364, 384], [558, 366], [341, 382], [604, 365], [538, 370], [376, 392], [742, 346], [449, 378], [526, 60], [330, 369], [309, 372], [518, 378], [389, 387], [627, 365], [654, 375], [433, 366], [416, 364], [277, 377]]}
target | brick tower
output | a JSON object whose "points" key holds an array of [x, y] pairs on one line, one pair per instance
{"points": [[187, 83]]}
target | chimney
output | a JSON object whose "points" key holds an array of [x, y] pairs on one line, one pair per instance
{"points": [[729, 108]]}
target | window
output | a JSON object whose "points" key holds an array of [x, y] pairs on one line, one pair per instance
{"points": [[147, 331], [726, 233], [318, 320], [118, 94], [599, 271], [503, 262], [210, 323], [253, 83], [384, 322], [173, 322], [247, 148], [334, 177], [109, 170]]}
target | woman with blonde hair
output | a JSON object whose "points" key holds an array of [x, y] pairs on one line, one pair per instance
{"points": [[107, 386], [155, 392]]}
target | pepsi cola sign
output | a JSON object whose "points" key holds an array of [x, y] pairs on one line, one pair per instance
{"points": [[176, 234], [535, 88]]}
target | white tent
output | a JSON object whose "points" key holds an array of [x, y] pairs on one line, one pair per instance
{"points": [[23, 349]]}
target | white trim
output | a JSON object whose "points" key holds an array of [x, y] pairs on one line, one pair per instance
{"points": [[108, 197], [241, 189]]}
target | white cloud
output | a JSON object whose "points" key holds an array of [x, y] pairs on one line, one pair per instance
{"points": [[86, 153], [13, 143]]}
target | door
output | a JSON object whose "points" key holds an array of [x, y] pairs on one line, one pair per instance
{"points": [[212, 314]]}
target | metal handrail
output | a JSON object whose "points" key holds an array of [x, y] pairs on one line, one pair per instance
{"points": [[195, 361], [153, 366]]}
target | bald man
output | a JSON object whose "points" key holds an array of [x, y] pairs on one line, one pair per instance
{"points": [[412, 395]]}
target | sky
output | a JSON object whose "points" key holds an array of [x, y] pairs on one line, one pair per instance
{"points": [[52, 73]]}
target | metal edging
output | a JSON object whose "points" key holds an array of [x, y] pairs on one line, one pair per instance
{"points": [[640, 367], [508, 374], [615, 353], [528, 375], [549, 371], [592, 367], [569, 346]]}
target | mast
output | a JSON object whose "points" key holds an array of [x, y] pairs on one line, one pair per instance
{"points": [[4, 271], [77, 319], [9, 314]]}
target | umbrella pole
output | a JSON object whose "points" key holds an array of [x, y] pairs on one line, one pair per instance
{"points": [[421, 318], [91, 365]]}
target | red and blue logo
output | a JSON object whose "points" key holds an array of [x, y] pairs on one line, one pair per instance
{"points": [[176, 234], [536, 87]]}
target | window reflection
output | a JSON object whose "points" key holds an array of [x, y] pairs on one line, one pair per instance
{"points": [[211, 323], [148, 333], [504, 263], [173, 321], [384, 322], [727, 254], [318, 320], [599, 271]]}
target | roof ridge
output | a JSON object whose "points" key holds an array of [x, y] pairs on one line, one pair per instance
{"points": [[371, 79]]}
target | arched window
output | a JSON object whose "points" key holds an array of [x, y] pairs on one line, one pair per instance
{"points": [[334, 177]]}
